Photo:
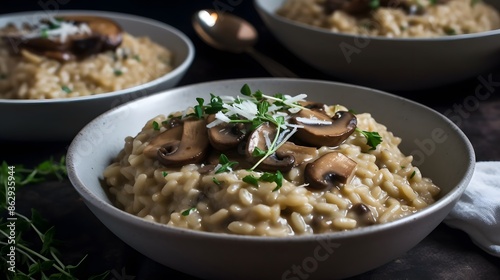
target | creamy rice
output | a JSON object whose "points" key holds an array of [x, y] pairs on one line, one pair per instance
{"points": [[138, 60], [385, 187], [452, 17]]}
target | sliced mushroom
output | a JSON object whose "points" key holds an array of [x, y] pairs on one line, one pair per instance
{"points": [[109, 32], [363, 214], [311, 105], [329, 170], [167, 136], [105, 34], [335, 130], [301, 154], [235, 155], [191, 148], [225, 136], [260, 138]]}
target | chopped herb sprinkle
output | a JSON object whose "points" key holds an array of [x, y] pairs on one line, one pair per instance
{"points": [[188, 211], [156, 125], [66, 89]]}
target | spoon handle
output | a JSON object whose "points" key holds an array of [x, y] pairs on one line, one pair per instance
{"points": [[274, 68]]}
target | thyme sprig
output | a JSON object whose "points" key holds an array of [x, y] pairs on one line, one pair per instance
{"points": [[39, 258]]}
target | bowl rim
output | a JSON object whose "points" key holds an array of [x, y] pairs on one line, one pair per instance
{"points": [[323, 31], [449, 198], [178, 70]]}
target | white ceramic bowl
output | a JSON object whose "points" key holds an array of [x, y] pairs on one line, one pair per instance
{"points": [[386, 63], [448, 160], [61, 119]]}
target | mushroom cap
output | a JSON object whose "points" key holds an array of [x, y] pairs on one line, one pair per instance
{"points": [[225, 136], [301, 154], [341, 126], [109, 32], [311, 105], [167, 136], [329, 170], [191, 148], [259, 138]]}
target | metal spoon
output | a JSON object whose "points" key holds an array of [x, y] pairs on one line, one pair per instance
{"points": [[228, 32]]}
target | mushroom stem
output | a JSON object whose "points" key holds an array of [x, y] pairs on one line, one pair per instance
{"points": [[192, 147], [225, 136]]}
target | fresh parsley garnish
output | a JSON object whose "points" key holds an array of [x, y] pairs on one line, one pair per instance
{"points": [[156, 126], [373, 138], [188, 211], [265, 177], [225, 164], [66, 89]]}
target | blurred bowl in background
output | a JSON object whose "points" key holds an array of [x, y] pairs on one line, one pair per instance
{"points": [[396, 64], [60, 119]]}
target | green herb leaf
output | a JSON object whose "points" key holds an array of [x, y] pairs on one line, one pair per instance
{"points": [[252, 180], [156, 126], [257, 152], [373, 138], [413, 174], [164, 173], [245, 90], [66, 89], [278, 179], [449, 31], [225, 163], [198, 109], [217, 182], [188, 211], [44, 33], [118, 72], [265, 177]]}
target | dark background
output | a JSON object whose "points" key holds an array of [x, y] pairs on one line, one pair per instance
{"points": [[445, 254]]}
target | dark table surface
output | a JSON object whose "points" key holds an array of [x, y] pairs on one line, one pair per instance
{"points": [[446, 253]]}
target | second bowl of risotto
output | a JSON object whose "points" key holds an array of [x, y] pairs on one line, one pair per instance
{"points": [[271, 178], [59, 70], [392, 45]]}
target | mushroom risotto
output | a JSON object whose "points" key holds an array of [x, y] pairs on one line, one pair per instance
{"points": [[266, 165], [75, 56], [395, 18]]}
